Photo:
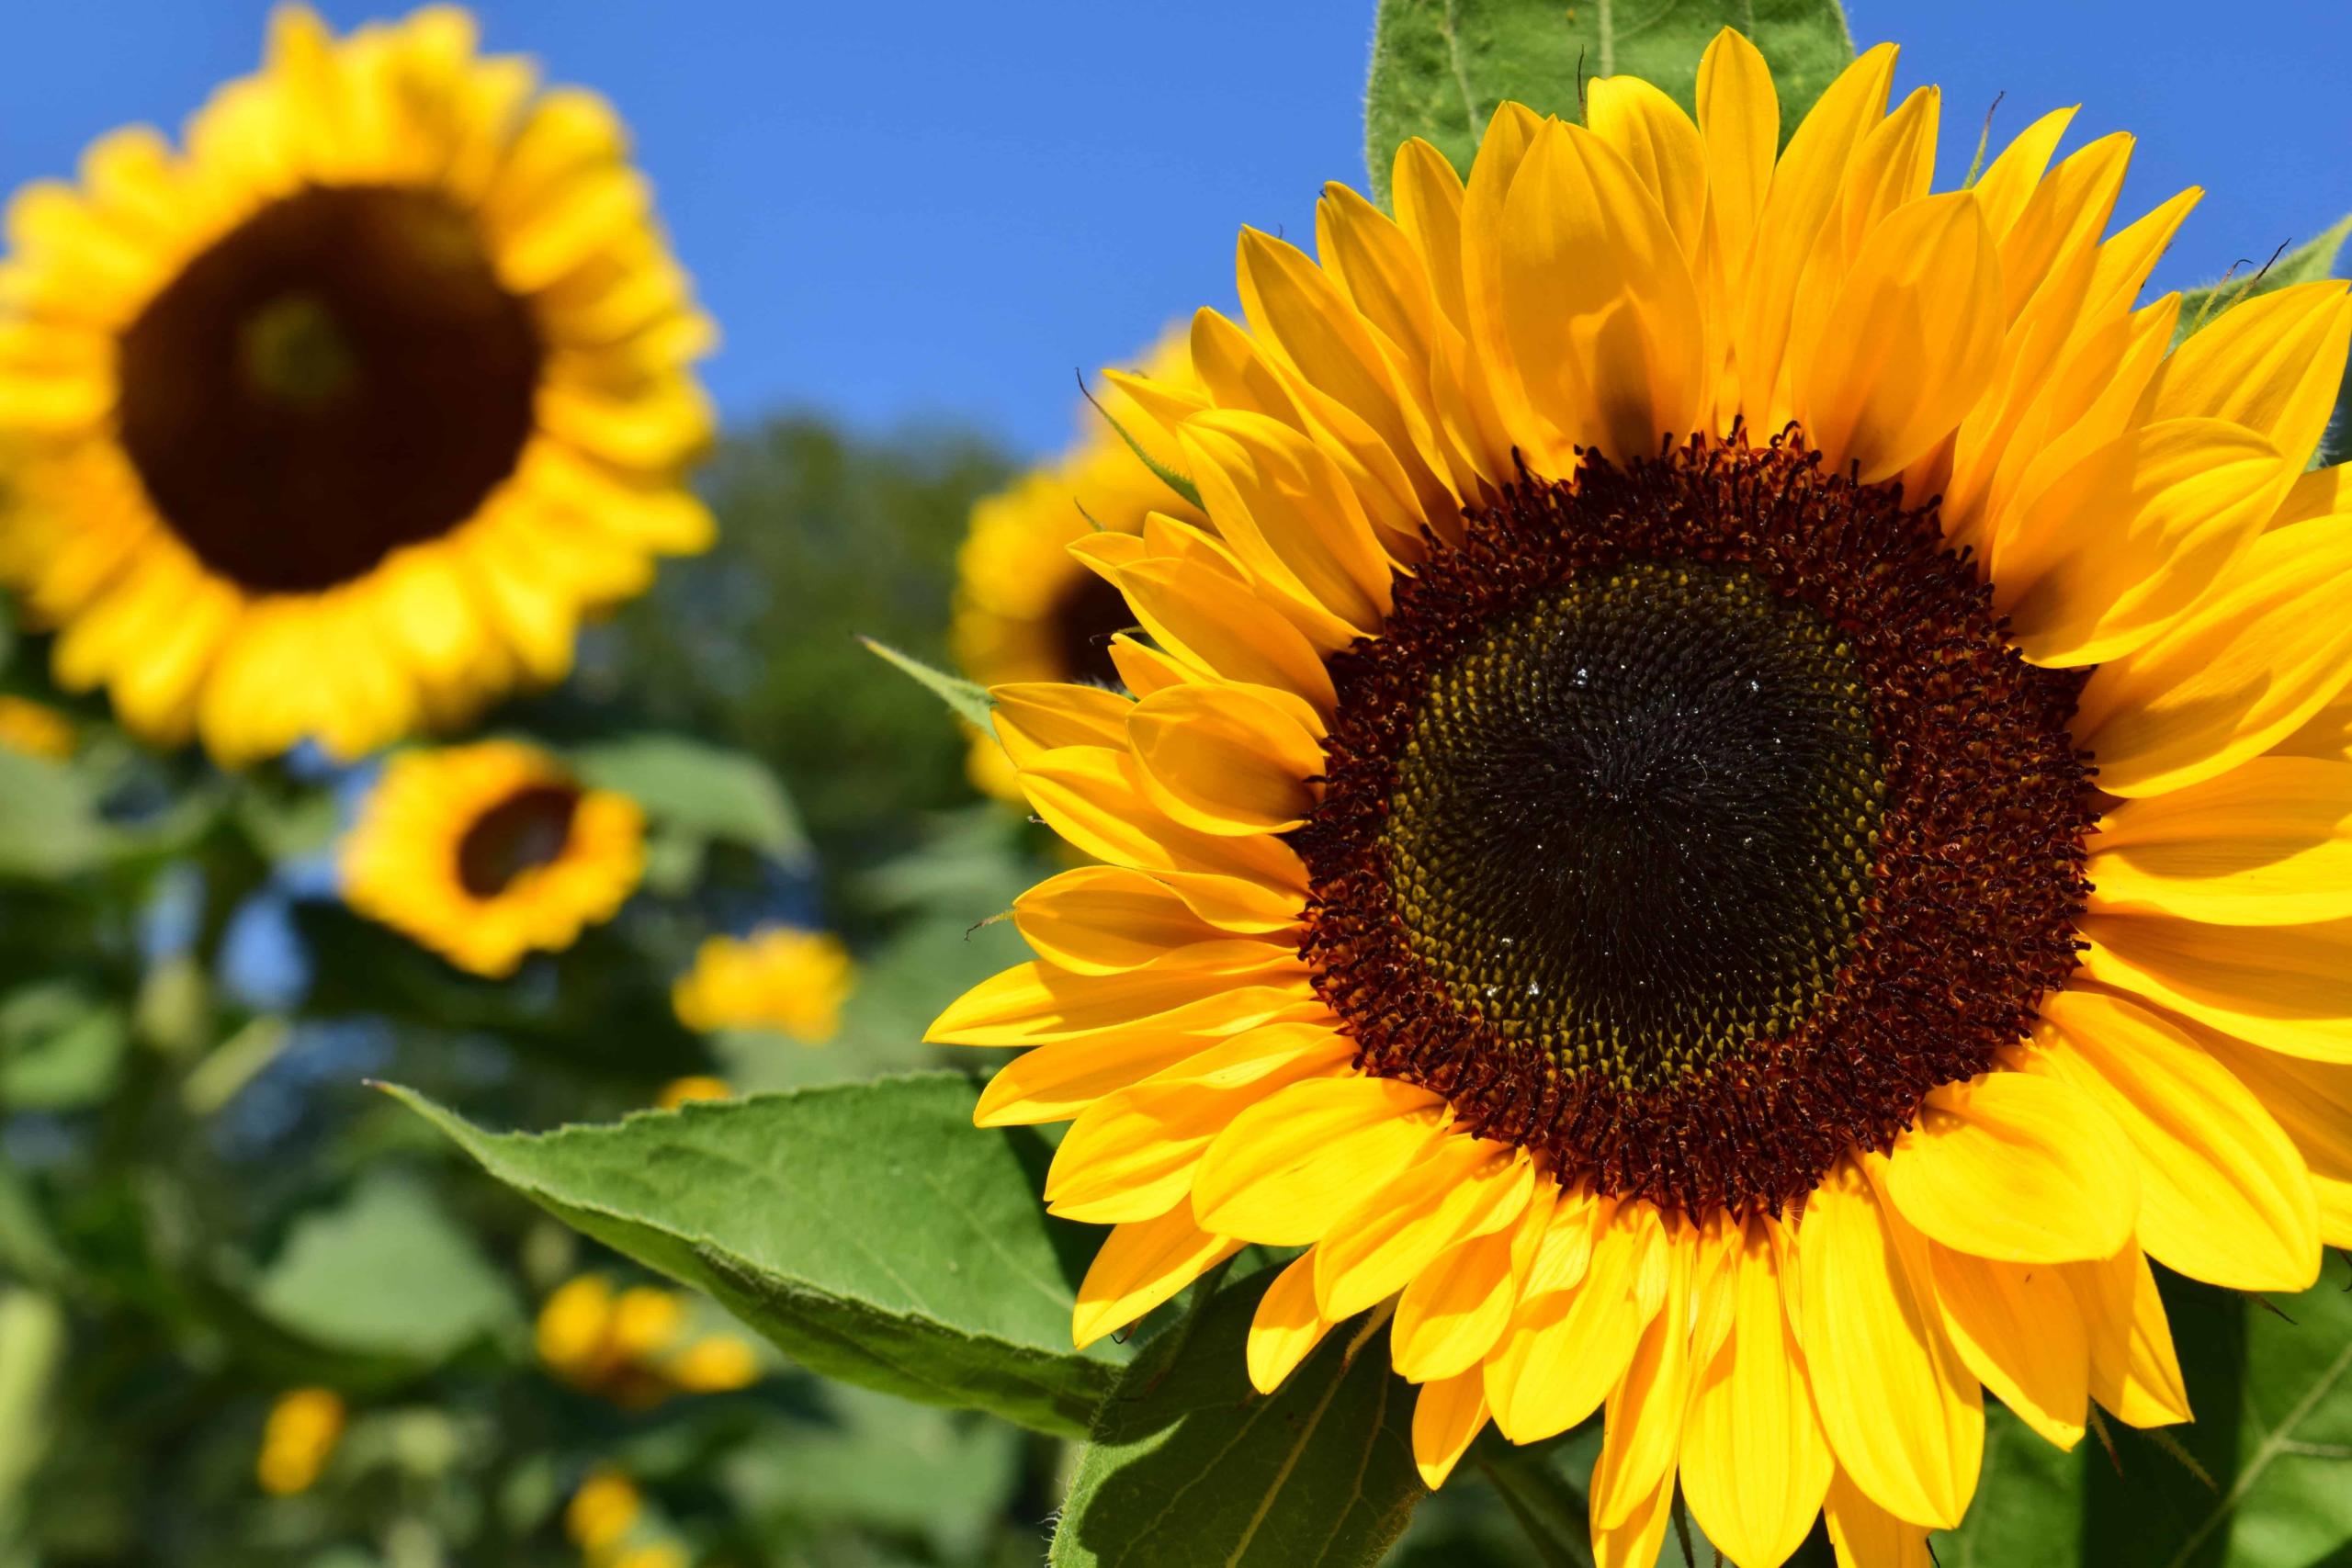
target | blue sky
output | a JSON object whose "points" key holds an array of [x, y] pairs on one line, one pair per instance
{"points": [[907, 209]]}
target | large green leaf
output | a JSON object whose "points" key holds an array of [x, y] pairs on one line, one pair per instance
{"points": [[1440, 67], [868, 1229], [1188, 1465], [386, 1274]]}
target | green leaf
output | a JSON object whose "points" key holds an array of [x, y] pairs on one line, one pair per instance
{"points": [[706, 790], [1440, 67], [970, 699], [1187, 1464], [2029, 1493], [60, 1048], [868, 1229], [50, 827], [385, 1274], [2307, 263]]}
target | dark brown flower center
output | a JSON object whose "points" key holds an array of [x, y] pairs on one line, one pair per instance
{"points": [[1085, 617], [1690, 823], [340, 375], [528, 829]]}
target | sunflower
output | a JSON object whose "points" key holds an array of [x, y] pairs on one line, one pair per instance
{"points": [[1745, 816], [332, 424], [487, 851], [782, 979], [1025, 609]]}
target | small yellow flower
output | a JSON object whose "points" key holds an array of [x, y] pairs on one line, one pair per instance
{"points": [[573, 1325], [645, 1322], [35, 729], [679, 1091], [715, 1364], [779, 978], [298, 1439], [601, 1511], [487, 851]]}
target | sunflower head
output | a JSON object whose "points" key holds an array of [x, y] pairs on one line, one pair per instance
{"points": [[782, 978], [332, 422], [1738, 811], [490, 852], [1025, 610]]}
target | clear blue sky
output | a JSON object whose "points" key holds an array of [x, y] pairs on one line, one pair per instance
{"points": [[906, 208]]}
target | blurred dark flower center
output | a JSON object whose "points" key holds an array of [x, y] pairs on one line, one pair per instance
{"points": [[340, 375]]}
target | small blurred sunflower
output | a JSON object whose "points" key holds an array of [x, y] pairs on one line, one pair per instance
{"points": [[333, 423], [298, 1439], [35, 728], [1745, 818], [1025, 609], [783, 978], [487, 851], [638, 1346]]}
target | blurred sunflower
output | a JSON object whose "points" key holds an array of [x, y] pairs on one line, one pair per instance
{"points": [[298, 1439], [782, 979], [334, 424], [487, 851], [1741, 829], [35, 728], [1025, 609], [638, 1346]]}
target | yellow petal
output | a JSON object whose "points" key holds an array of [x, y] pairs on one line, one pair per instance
{"points": [[1658, 142], [1286, 1328], [1284, 507], [2011, 179], [2268, 843], [2272, 362], [1139, 1267], [2018, 1328], [2134, 1372], [1099, 920], [2252, 661], [1873, 1343], [1641, 1422], [1224, 762], [1447, 1415], [1864, 1534], [1131, 1154], [1208, 621], [1032, 717], [1597, 302], [2067, 209], [1290, 1165], [2224, 1197], [1033, 1003], [2312, 1102], [1804, 188], [1634, 1541], [1755, 1462], [2323, 492], [1565, 1349], [2286, 988], [1456, 1308], [2110, 552], [2016, 1167], [1459, 1187], [1910, 344]]}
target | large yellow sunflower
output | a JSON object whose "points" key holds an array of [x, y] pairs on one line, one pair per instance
{"points": [[1025, 609], [333, 423], [1747, 815], [489, 852]]}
